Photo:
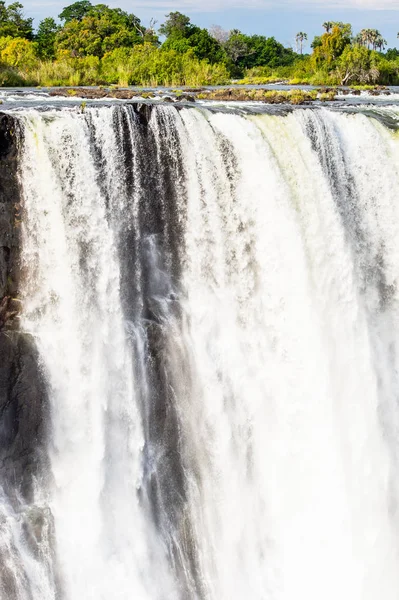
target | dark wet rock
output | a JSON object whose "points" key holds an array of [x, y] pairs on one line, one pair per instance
{"points": [[87, 93], [123, 94], [194, 90], [23, 409], [143, 111], [9, 205], [186, 98], [9, 309], [22, 390], [326, 90]]}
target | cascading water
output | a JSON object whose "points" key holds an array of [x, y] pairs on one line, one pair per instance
{"points": [[215, 302]]}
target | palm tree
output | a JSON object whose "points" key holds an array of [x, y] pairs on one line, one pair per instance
{"points": [[375, 35], [373, 38], [358, 39], [380, 43], [367, 36], [300, 38], [328, 25]]}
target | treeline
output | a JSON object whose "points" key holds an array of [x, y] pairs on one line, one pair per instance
{"points": [[94, 44]]}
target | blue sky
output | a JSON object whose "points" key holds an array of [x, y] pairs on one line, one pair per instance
{"points": [[283, 19]]}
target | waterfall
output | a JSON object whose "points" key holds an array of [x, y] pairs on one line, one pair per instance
{"points": [[214, 299]]}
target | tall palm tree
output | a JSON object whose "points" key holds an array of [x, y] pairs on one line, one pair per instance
{"points": [[375, 35], [367, 37], [300, 38], [372, 38], [380, 43], [328, 25], [358, 39]]}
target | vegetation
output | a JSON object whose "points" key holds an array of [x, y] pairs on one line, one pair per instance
{"points": [[98, 45]]}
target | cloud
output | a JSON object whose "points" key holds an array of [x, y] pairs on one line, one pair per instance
{"points": [[221, 5], [159, 8]]}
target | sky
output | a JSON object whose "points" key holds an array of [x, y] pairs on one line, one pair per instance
{"points": [[281, 19]]}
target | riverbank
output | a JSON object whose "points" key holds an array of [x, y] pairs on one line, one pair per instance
{"points": [[294, 96]]}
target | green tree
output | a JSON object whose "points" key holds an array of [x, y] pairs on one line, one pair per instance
{"points": [[317, 42], [238, 47], [328, 25], [13, 23], [345, 28], [355, 66], [182, 36], [203, 45], [268, 52], [75, 11], [392, 54], [99, 32], [332, 46], [247, 52], [176, 24], [18, 52], [46, 37]]}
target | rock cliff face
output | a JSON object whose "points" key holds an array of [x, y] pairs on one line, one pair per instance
{"points": [[9, 206], [22, 390]]}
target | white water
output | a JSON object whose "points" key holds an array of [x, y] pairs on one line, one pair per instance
{"points": [[282, 363]]}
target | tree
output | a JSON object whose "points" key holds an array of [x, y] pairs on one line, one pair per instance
{"points": [[249, 51], [328, 25], [219, 34], [18, 52], [371, 38], [355, 65], [345, 28], [237, 46], [332, 46], [101, 30], [300, 38], [46, 37], [392, 54], [380, 43], [176, 24], [182, 36], [317, 42], [358, 39], [75, 11], [13, 23], [205, 46]]}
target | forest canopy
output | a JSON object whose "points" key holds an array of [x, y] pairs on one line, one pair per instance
{"points": [[95, 44]]}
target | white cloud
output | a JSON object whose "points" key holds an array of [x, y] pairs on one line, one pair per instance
{"points": [[219, 5], [159, 8]]}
